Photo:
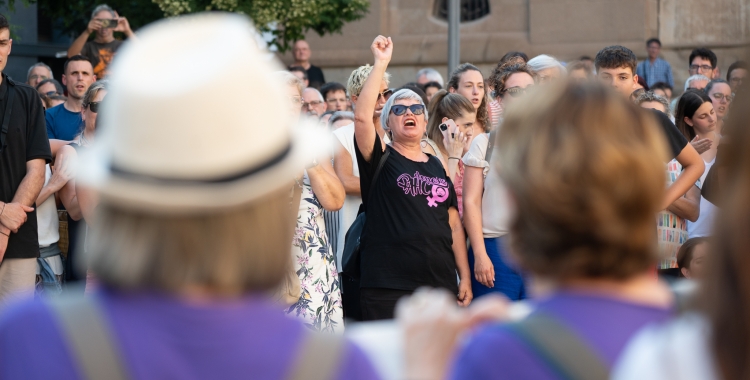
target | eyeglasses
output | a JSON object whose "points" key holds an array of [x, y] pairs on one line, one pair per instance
{"points": [[37, 76], [314, 103], [399, 110], [719, 96], [94, 106], [385, 94], [516, 91], [735, 81], [51, 93], [296, 100], [701, 67]]}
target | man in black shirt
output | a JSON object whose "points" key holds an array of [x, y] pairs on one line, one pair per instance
{"points": [[615, 66], [302, 53], [24, 152]]}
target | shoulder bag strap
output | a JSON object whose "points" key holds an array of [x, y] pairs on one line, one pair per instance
{"points": [[8, 108], [91, 343], [377, 172], [558, 346], [490, 145], [319, 357]]}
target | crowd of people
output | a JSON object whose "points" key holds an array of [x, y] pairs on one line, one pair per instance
{"points": [[589, 191]]}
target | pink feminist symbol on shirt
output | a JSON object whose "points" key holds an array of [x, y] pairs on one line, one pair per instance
{"points": [[439, 194]]}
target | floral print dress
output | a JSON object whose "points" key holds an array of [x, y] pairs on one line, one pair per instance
{"points": [[319, 304]]}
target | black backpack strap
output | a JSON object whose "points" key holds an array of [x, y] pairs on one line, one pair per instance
{"points": [[8, 108], [377, 172], [91, 343], [557, 345], [318, 358]]}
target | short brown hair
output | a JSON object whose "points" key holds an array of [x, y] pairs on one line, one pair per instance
{"points": [[503, 71], [585, 168], [233, 252], [685, 254]]}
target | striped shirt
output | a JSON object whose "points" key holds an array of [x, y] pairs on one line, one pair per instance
{"points": [[496, 112], [659, 71]]}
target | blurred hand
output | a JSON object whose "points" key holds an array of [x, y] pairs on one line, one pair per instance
{"points": [[61, 173], [3, 242], [382, 49], [432, 325], [484, 271], [94, 25], [14, 215], [464, 293], [701, 145], [122, 24], [453, 139]]}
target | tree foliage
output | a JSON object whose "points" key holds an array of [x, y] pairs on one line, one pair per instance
{"points": [[285, 20]]}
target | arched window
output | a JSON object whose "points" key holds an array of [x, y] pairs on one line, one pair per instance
{"points": [[470, 9]]}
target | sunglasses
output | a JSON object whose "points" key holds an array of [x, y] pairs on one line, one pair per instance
{"points": [[385, 94], [399, 110], [516, 91], [50, 93], [94, 106]]}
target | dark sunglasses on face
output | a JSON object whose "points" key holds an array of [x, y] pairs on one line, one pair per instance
{"points": [[94, 106], [50, 93], [399, 110], [385, 94], [516, 91]]}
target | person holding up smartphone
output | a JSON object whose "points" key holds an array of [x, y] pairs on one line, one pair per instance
{"points": [[104, 21]]}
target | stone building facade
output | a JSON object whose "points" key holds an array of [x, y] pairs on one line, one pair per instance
{"points": [[566, 29]]}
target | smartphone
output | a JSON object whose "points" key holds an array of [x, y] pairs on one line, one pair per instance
{"points": [[443, 127], [109, 23]]}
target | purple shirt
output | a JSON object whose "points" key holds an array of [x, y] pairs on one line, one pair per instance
{"points": [[605, 324], [162, 337]]}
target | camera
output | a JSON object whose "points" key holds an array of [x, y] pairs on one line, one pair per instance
{"points": [[109, 23]]}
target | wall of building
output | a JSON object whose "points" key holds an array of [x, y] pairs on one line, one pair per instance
{"points": [[566, 29]]}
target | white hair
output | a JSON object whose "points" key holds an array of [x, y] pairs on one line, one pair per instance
{"points": [[399, 95], [102, 7], [543, 62], [39, 64], [432, 75], [694, 78], [320, 96]]}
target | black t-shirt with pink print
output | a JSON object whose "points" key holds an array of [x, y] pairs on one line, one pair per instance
{"points": [[407, 240]]}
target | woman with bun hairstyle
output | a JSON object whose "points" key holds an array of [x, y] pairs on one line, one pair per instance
{"points": [[449, 134]]}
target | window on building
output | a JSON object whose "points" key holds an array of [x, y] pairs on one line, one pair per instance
{"points": [[470, 9]]}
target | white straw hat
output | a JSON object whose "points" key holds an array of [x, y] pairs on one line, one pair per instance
{"points": [[195, 120]]}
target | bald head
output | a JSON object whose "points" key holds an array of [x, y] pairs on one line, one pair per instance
{"points": [[301, 52]]}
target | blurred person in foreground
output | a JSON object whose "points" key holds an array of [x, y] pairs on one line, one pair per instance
{"points": [[102, 49], [187, 246], [486, 203], [591, 249], [711, 339], [412, 236], [615, 67]]}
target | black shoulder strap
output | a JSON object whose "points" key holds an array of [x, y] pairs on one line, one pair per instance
{"points": [[490, 145], [318, 358], [8, 108], [90, 340], [377, 171], [564, 352]]}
